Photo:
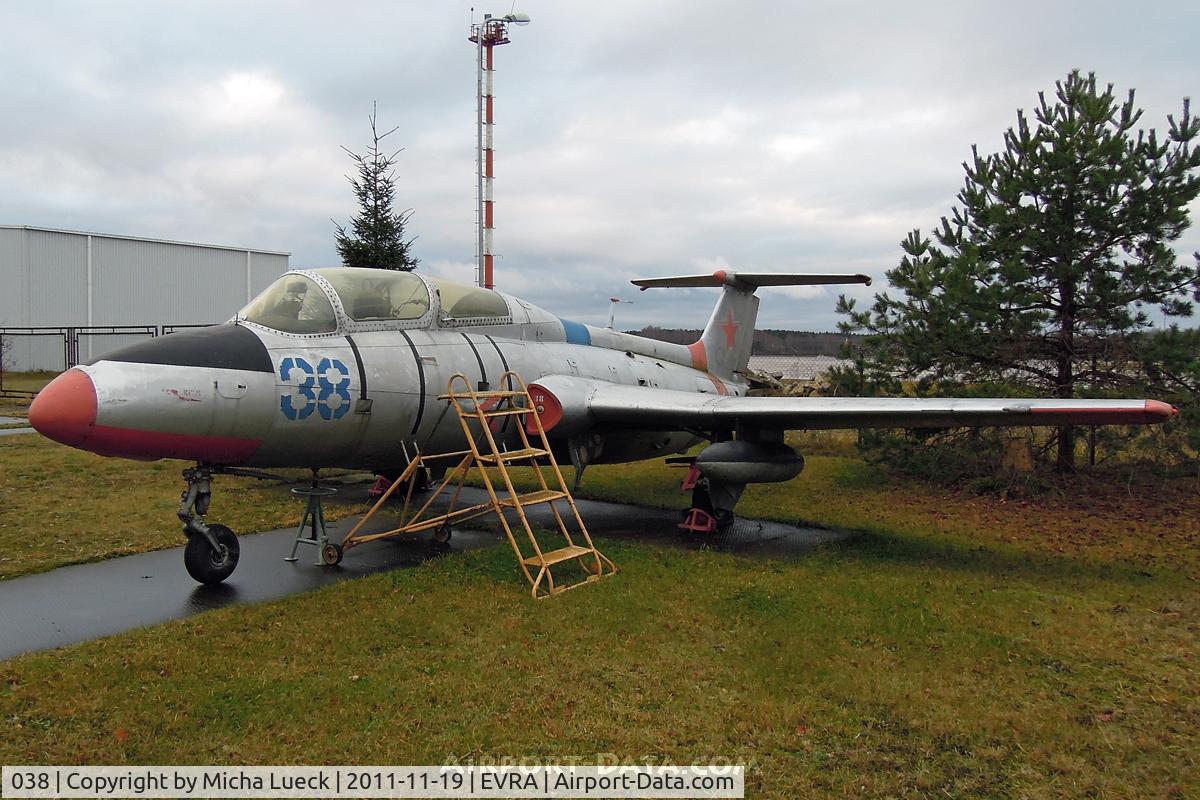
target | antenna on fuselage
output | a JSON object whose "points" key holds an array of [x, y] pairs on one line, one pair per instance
{"points": [[612, 308]]}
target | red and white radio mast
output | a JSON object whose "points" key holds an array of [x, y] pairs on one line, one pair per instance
{"points": [[487, 35]]}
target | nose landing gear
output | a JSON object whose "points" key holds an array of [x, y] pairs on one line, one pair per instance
{"points": [[212, 551], [207, 564]]}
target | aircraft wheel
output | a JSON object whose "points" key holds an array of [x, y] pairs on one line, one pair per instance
{"points": [[442, 534], [331, 554], [210, 566]]}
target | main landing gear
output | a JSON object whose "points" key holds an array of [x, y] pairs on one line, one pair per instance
{"points": [[712, 504], [212, 551]]}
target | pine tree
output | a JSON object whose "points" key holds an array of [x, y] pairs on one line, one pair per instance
{"points": [[377, 237], [1059, 248]]}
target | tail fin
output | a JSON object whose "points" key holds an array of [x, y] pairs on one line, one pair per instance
{"points": [[724, 347]]}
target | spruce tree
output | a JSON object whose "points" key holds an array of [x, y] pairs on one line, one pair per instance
{"points": [[1050, 264], [376, 238]]}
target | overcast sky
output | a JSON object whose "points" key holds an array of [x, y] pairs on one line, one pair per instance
{"points": [[633, 139]]}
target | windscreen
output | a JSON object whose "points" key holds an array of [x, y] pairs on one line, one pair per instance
{"points": [[292, 304]]}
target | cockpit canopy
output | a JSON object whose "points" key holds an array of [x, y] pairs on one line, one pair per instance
{"points": [[371, 295], [469, 302], [297, 304]]}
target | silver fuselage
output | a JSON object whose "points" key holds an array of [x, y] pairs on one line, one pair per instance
{"points": [[365, 395]]}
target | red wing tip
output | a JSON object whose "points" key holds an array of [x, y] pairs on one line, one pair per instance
{"points": [[1148, 412], [1161, 409]]}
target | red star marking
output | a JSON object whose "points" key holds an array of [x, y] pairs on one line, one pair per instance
{"points": [[730, 327]]}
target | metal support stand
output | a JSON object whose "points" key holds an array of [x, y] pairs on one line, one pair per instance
{"points": [[314, 520]]}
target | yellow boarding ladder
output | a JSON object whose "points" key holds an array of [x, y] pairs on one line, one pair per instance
{"points": [[477, 409]]}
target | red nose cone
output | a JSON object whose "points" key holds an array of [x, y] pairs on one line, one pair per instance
{"points": [[65, 410]]}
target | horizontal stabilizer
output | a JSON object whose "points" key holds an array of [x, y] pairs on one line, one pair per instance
{"points": [[748, 280]]}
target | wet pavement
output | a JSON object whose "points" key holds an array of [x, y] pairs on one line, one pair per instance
{"points": [[86, 601]]}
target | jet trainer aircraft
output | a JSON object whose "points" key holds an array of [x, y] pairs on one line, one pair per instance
{"points": [[342, 367]]}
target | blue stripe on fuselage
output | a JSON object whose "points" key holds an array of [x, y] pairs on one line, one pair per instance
{"points": [[577, 333]]}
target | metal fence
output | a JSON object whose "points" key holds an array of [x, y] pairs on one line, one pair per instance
{"points": [[57, 348], [796, 368]]}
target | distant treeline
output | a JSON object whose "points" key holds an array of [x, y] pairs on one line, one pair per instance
{"points": [[766, 342]]}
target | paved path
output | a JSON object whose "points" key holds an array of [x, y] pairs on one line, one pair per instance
{"points": [[86, 601], [14, 421], [14, 431]]}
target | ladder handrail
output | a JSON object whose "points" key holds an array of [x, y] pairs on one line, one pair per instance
{"points": [[513, 402], [481, 414], [463, 415], [562, 481]]}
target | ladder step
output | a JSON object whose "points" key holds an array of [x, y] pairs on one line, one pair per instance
{"points": [[533, 498], [500, 393], [557, 556], [514, 455], [502, 413], [483, 395], [474, 409]]}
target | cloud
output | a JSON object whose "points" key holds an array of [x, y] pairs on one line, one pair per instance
{"points": [[241, 98], [632, 140], [791, 148], [725, 128]]}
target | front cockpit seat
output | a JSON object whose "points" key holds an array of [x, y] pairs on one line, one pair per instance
{"points": [[371, 305]]}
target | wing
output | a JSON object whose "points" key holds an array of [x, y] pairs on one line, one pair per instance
{"points": [[581, 403]]}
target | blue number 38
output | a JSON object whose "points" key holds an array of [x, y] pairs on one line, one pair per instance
{"points": [[315, 388]]}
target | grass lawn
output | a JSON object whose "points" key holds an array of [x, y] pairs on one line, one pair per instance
{"points": [[63, 506], [23, 382], [964, 646]]}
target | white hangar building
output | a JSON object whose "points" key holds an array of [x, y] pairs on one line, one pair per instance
{"points": [[80, 284]]}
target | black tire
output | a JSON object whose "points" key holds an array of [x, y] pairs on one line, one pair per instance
{"points": [[331, 554], [442, 534], [205, 565]]}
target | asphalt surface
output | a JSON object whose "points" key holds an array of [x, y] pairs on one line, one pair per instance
{"points": [[86, 601]]}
